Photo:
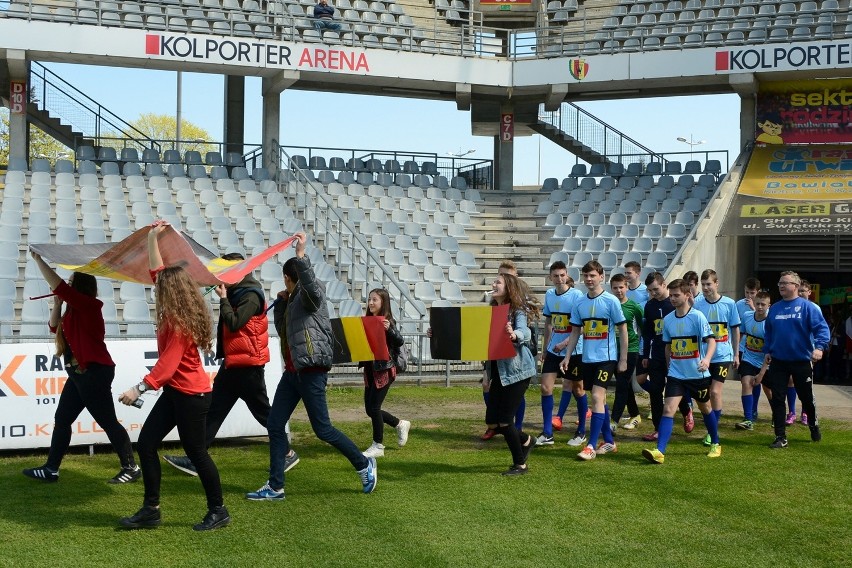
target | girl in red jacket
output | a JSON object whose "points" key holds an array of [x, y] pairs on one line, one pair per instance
{"points": [[80, 342], [183, 326]]}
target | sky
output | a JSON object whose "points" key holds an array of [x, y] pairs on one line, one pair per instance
{"points": [[392, 123]]}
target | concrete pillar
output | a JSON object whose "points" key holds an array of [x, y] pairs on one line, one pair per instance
{"points": [[271, 91], [19, 135], [504, 148], [234, 113], [746, 86]]}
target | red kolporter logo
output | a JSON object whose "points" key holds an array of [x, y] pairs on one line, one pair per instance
{"points": [[578, 68], [254, 52]]}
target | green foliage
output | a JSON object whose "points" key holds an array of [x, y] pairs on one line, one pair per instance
{"points": [[441, 501], [164, 127]]}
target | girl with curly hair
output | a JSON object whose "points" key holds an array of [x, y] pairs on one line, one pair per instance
{"points": [[183, 326], [378, 376], [510, 378], [80, 342]]}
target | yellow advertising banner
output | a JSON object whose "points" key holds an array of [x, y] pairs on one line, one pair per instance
{"points": [[794, 190]]}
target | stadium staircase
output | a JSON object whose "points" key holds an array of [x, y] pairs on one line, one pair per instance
{"points": [[70, 116], [588, 137]]}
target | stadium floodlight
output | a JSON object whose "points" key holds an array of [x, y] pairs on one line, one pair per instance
{"points": [[692, 143]]}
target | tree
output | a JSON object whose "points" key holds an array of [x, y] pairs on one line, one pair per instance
{"points": [[41, 145], [163, 127]]}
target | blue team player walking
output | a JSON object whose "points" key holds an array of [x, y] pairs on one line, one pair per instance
{"points": [[796, 336], [724, 319], [598, 315], [689, 350]]}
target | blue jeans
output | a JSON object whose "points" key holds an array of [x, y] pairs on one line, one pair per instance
{"points": [[321, 24], [309, 388]]}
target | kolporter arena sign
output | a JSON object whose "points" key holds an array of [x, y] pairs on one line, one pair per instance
{"points": [[794, 190]]}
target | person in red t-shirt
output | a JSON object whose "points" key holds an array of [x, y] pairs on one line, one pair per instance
{"points": [[183, 326], [80, 335]]}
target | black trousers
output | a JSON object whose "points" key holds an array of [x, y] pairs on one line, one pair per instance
{"points": [[91, 390], [657, 372], [776, 379], [373, 399], [189, 413], [624, 395], [229, 386]]}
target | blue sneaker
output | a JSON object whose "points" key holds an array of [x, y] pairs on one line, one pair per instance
{"points": [[266, 493], [369, 475]]}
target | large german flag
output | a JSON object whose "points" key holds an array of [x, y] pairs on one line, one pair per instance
{"points": [[359, 339], [470, 333]]}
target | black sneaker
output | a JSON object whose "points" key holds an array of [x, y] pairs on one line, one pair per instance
{"points": [[525, 450], [214, 519], [145, 518], [182, 463], [42, 474], [516, 470], [290, 461], [127, 475], [816, 435], [780, 442]]}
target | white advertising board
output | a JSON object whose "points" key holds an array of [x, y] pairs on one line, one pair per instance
{"points": [[31, 380], [251, 56]]}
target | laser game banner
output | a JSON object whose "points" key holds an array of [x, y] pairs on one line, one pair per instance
{"points": [[794, 190], [803, 112], [31, 380]]}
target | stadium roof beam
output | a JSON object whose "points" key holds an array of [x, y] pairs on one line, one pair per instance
{"points": [[463, 96], [555, 96]]}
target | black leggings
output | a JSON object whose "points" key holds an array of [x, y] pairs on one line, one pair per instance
{"points": [[231, 385], [189, 413], [503, 403], [373, 399], [91, 390], [776, 379], [624, 394]]}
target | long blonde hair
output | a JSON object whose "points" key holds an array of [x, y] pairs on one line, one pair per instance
{"points": [[181, 305]]}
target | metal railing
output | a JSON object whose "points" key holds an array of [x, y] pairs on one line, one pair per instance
{"points": [[594, 133], [478, 173], [53, 94]]}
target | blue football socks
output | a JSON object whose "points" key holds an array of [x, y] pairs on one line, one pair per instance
{"points": [[547, 414], [748, 405], [665, 432], [582, 409]]}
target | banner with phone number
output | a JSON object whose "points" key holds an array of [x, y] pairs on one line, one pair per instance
{"points": [[31, 380]]}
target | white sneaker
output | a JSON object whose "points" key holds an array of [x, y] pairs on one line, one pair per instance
{"points": [[402, 432], [375, 451], [577, 440]]}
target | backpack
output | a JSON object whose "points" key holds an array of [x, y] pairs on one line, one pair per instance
{"points": [[400, 358], [533, 344]]}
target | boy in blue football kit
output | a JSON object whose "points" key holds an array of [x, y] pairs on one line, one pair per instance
{"points": [[558, 303], [689, 350], [752, 362], [796, 337], [596, 316], [654, 355], [750, 289], [721, 313]]}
